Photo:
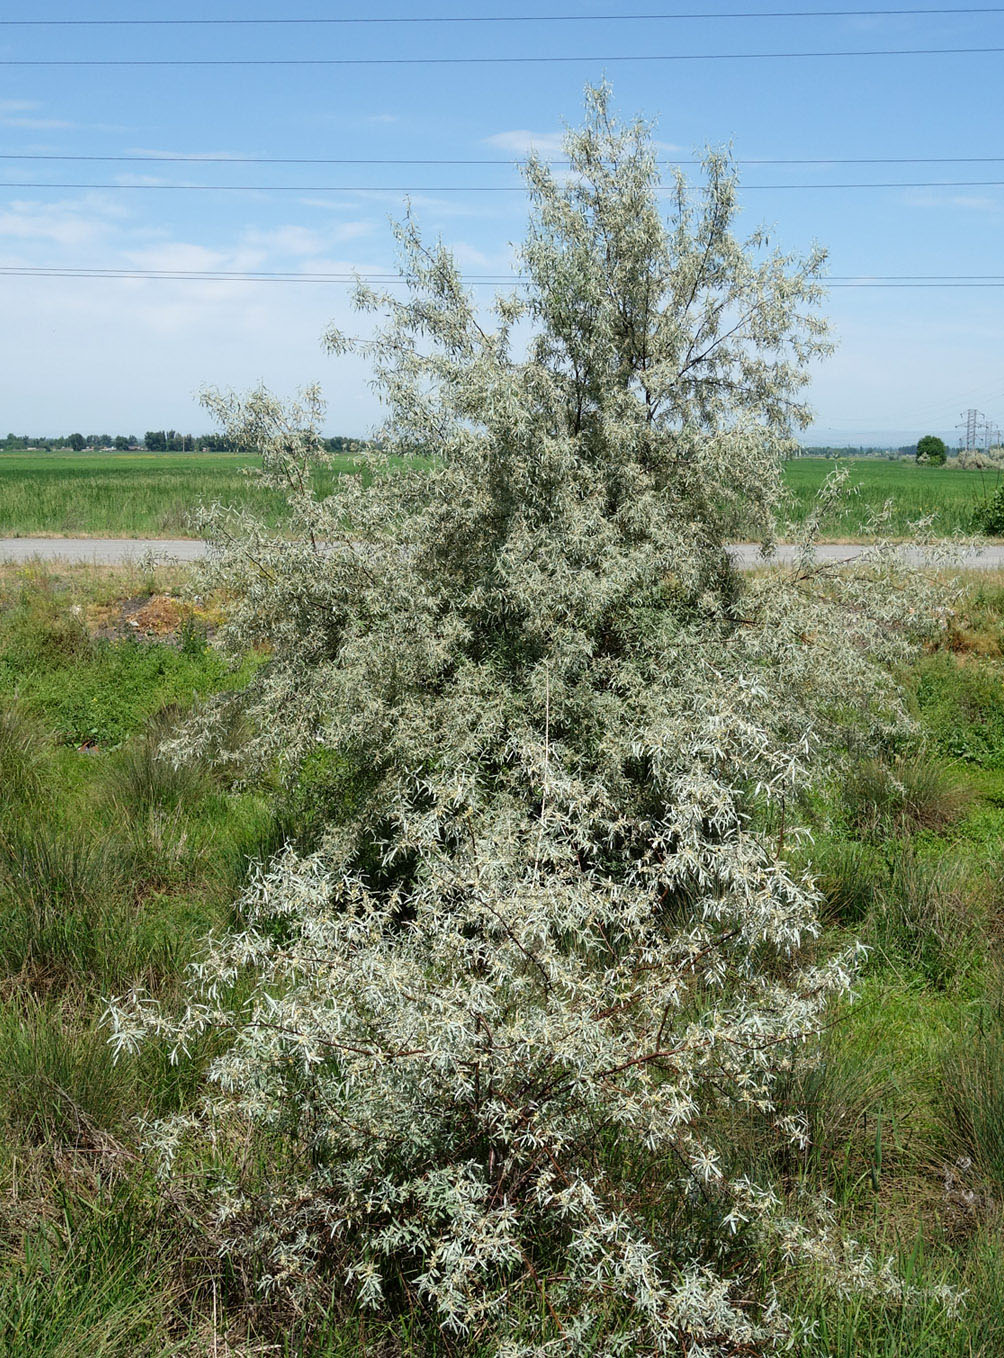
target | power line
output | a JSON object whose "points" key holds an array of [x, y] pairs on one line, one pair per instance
{"points": [[217, 62], [494, 18], [277, 276], [169, 159], [473, 188]]}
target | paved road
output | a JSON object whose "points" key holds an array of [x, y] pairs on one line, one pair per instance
{"points": [[100, 551], [119, 551]]}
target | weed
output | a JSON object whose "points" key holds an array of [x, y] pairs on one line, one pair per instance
{"points": [[962, 707]]}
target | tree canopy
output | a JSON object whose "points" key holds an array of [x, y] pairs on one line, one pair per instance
{"points": [[931, 450]]}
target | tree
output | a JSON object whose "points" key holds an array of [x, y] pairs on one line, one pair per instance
{"points": [[121, 442], [155, 440], [77, 442], [931, 450], [543, 960]]}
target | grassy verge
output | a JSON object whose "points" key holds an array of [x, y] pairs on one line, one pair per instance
{"points": [[114, 864]]}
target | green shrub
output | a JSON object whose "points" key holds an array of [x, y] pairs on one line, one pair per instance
{"points": [[988, 514]]}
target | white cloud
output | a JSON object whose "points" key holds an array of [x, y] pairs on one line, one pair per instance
{"points": [[520, 142], [288, 240], [973, 202], [72, 222], [129, 180], [35, 124], [470, 258], [351, 230], [185, 155], [180, 255]]}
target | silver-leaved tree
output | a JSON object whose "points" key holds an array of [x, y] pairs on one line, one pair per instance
{"points": [[498, 1023]]}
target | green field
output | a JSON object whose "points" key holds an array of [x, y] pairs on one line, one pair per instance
{"points": [[113, 864], [126, 494], [916, 492], [151, 494]]}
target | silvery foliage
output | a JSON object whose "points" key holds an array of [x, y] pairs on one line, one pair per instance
{"points": [[503, 1016]]}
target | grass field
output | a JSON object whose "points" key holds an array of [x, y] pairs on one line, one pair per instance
{"points": [[126, 494], [151, 494], [113, 865], [916, 492]]}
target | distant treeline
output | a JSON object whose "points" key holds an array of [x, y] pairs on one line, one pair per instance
{"points": [[893, 454], [153, 441]]}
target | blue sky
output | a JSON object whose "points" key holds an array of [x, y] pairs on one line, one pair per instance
{"points": [[84, 353]]}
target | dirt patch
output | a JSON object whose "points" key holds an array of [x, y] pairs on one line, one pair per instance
{"points": [[159, 616], [154, 617]]}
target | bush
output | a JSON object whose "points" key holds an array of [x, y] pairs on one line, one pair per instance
{"points": [[988, 514], [547, 945]]}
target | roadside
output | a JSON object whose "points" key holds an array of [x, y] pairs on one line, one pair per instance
{"points": [[126, 551]]}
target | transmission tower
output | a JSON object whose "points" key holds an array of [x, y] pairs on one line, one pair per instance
{"points": [[974, 423]]}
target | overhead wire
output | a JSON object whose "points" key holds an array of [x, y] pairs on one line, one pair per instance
{"points": [[289, 276], [496, 18], [472, 188], [595, 59], [167, 158]]}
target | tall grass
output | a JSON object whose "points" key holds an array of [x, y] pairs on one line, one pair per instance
{"points": [[58, 1082], [89, 1284], [134, 494], [126, 494], [22, 743], [973, 1109], [912, 793]]}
